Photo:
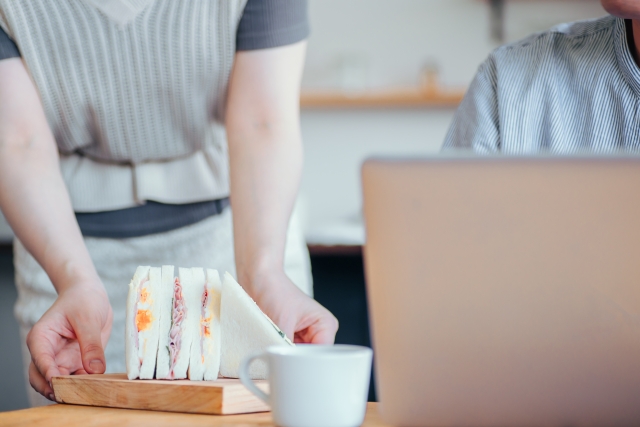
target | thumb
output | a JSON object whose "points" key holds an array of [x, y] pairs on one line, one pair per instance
{"points": [[91, 350]]}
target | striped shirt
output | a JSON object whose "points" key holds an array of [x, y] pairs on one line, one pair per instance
{"points": [[575, 88]]}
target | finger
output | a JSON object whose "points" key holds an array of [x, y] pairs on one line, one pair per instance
{"points": [[89, 338], [321, 332], [299, 337], [314, 336], [323, 336], [39, 383], [43, 352]]}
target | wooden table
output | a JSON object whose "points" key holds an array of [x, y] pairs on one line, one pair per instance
{"points": [[71, 415]]}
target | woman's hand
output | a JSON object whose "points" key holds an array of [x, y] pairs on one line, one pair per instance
{"points": [[299, 316], [70, 337], [265, 153]]}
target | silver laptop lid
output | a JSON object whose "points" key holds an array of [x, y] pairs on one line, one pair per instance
{"points": [[505, 291]]}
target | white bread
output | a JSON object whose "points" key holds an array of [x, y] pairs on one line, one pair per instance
{"points": [[163, 367], [194, 308], [205, 347], [188, 324], [142, 326], [245, 330], [149, 349], [212, 339], [131, 331]]}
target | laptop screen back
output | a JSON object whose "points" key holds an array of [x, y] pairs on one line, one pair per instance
{"points": [[505, 291]]}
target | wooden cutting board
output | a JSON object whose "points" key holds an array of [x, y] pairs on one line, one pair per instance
{"points": [[221, 397]]}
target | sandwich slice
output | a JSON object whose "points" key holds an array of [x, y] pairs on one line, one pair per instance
{"points": [[171, 318], [205, 347], [212, 344], [142, 326], [245, 330], [187, 335], [177, 323], [195, 307]]}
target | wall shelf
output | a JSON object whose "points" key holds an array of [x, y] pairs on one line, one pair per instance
{"points": [[391, 98]]}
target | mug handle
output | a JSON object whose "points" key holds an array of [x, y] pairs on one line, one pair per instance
{"points": [[246, 380]]}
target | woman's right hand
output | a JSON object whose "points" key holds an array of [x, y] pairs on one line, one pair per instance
{"points": [[70, 337]]}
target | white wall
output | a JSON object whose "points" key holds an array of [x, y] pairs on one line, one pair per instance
{"points": [[397, 37], [391, 41], [336, 142]]}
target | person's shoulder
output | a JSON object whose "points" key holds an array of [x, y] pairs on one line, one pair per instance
{"points": [[552, 54], [272, 23], [563, 38]]}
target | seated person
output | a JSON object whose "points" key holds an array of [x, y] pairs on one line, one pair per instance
{"points": [[575, 88]]}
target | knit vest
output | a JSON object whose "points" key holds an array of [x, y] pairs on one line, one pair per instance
{"points": [[134, 92]]}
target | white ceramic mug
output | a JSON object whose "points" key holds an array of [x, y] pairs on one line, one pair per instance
{"points": [[314, 385]]}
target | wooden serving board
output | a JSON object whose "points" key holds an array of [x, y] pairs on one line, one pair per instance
{"points": [[221, 397]]}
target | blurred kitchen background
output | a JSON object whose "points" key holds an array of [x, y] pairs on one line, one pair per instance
{"points": [[383, 77]]}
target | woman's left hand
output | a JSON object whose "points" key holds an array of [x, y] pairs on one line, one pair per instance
{"points": [[298, 315], [265, 158]]}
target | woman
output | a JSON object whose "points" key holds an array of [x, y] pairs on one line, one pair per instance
{"points": [[115, 118]]}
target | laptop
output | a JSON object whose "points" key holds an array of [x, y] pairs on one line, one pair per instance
{"points": [[504, 291]]}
